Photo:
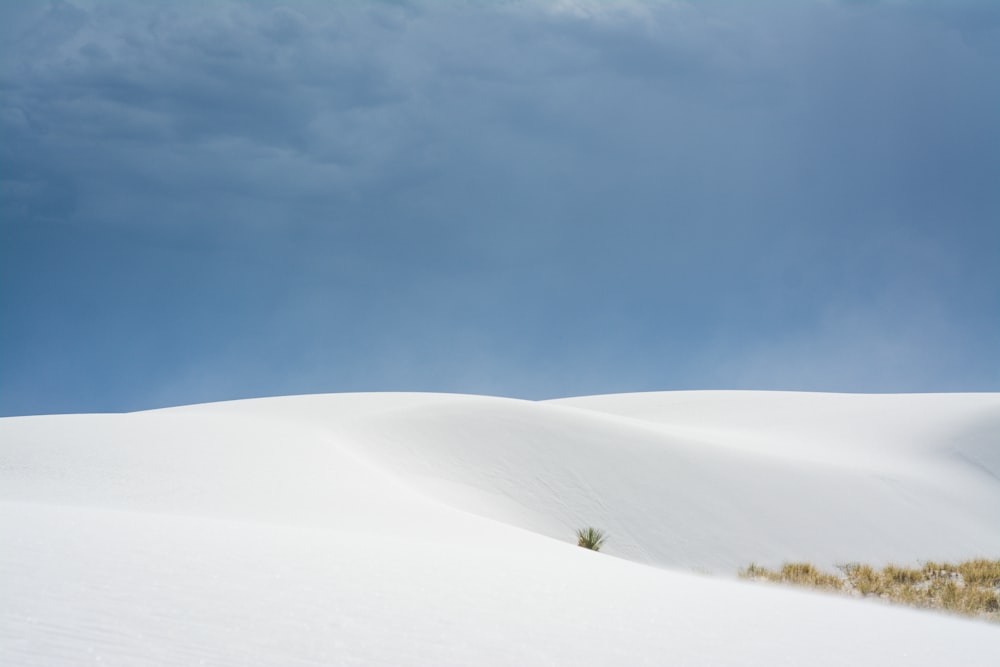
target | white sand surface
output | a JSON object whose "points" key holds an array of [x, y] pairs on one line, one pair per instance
{"points": [[433, 529]]}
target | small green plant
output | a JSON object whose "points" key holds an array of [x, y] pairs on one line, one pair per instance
{"points": [[590, 538]]}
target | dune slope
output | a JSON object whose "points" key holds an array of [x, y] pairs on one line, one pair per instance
{"points": [[422, 529]]}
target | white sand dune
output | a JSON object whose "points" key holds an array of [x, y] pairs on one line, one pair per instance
{"points": [[431, 529]]}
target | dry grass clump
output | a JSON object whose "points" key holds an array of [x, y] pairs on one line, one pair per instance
{"points": [[980, 572], [806, 574], [864, 579], [901, 576], [800, 574], [971, 587]]}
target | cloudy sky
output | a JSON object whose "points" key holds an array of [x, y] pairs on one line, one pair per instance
{"points": [[215, 200]]}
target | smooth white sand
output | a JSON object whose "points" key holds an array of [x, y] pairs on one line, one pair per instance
{"points": [[429, 529]]}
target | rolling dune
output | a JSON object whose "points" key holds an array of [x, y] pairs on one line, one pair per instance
{"points": [[434, 529]]}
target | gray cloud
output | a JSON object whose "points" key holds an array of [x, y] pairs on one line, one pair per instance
{"points": [[529, 198]]}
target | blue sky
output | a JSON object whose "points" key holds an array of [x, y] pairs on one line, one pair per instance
{"points": [[204, 201]]}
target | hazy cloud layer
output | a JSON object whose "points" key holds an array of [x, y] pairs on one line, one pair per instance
{"points": [[212, 200]]}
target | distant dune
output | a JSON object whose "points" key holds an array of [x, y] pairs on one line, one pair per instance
{"points": [[438, 529]]}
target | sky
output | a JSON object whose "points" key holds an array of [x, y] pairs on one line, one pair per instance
{"points": [[206, 201]]}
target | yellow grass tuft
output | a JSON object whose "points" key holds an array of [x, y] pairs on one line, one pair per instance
{"points": [[806, 574], [971, 587], [980, 572], [801, 574], [864, 579], [895, 574]]}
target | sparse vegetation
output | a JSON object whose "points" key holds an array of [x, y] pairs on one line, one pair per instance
{"points": [[801, 574], [590, 538], [971, 587], [980, 572]]}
